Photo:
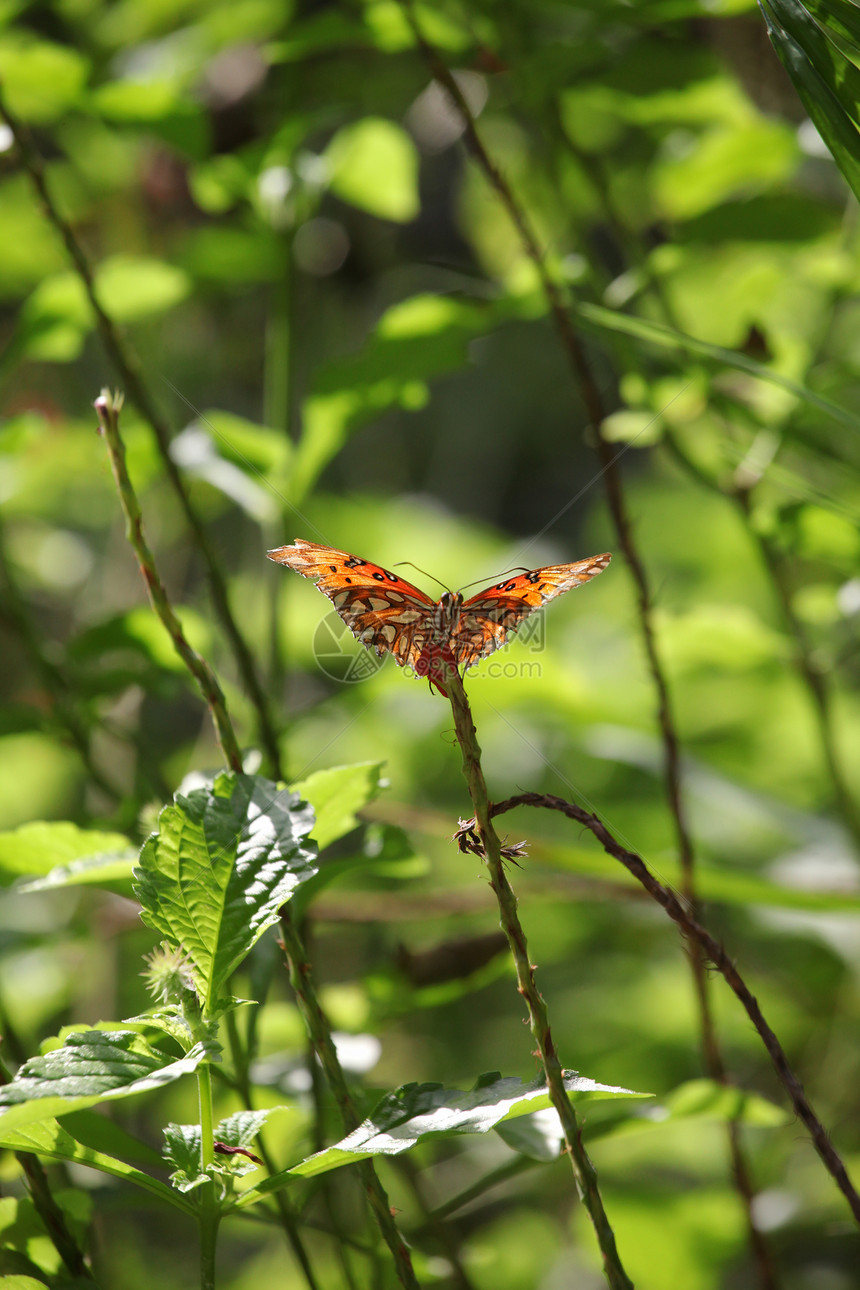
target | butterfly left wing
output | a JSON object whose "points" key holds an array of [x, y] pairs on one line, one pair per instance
{"points": [[488, 619], [381, 609]]}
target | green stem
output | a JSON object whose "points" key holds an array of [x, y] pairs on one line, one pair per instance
{"points": [[108, 409], [583, 1168], [285, 1213], [208, 1205], [320, 1035], [819, 692]]}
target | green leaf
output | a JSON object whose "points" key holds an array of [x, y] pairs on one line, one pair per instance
{"points": [[423, 337], [374, 165], [156, 106], [57, 1142], [61, 852], [826, 81], [42, 80], [128, 287], [214, 876], [706, 1099], [668, 337], [182, 1143], [92, 1066], [418, 1111], [336, 794]]}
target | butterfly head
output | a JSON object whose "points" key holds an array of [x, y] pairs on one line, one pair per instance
{"points": [[448, 611]]}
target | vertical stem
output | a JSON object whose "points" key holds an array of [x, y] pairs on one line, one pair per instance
{"points": [[208, 1208], [593, 402], [816, 685], [108, 410], [583, 1169], [288, 1222], [319, 1032]]}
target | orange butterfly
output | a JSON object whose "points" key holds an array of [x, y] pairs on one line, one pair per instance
{"points": [[388, 614]]}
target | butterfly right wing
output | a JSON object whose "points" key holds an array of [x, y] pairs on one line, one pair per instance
{"points": [[381, 609]]}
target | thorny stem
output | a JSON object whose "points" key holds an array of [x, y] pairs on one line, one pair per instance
{"points": [[319, 1031], [108, 409], [127, 367], [593, 402], [583, 1169], [716, 954]]}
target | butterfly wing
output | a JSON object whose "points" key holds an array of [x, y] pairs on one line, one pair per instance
{"points": [[384, 611], [488, 619]]}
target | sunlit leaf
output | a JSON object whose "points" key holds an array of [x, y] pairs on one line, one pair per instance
{"points": [[224, 860], [418, 1111], [91, 1067], [46, 849]]}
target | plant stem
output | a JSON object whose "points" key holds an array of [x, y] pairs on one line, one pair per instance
{"points": [[319, 1032], [48, 1209], [717, 955], [208, 1207], [583, 1169], [108, 409], [594, 406], [285, 1213], [129, 371], [811, 675]]}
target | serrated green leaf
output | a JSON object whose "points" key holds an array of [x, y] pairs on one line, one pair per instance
{"points": [[91, 1066], [418, 1111], [182, 1143], [47, 847], [241, 1129], [214, 876]]}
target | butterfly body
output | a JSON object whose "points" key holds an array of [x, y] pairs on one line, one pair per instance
{"points": [[388, 614]]}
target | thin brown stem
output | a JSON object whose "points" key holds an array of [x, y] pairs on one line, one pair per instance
{"points": [[49, 1211], [715, 954], [285, 1213], [490, 845], [128, 369], [594, 405], [108, 410], [320, 1035]]}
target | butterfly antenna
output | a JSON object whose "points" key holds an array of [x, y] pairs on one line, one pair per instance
{"points": [[520, 568], [426, 574]]}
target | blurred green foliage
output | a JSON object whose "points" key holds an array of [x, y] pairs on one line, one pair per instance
{"points": [[337, 316]]}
